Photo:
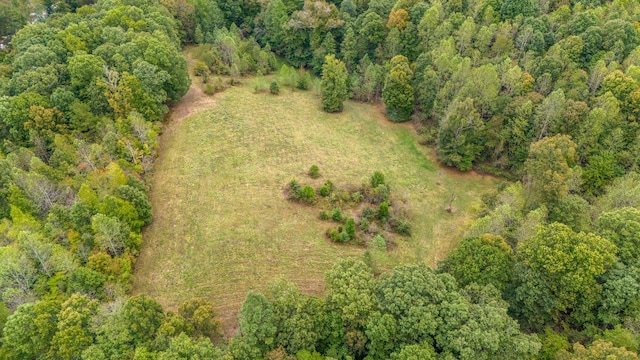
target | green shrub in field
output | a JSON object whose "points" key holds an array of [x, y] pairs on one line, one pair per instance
{"points": [[377, 179], [314, 171], [336, 214], [217, 85], [350, 228], [383, 211], [274, 88], [400, 226], [368, 213], [364, 225], [259, 83], [329, 185], [333, 235], [345, 196], [307, 194], [324, 191], [287, 75], [304, 80], [200, 68], [378, 243], [295, 190], [357, 197], [380, 194], [324, 215], [338, 235]]}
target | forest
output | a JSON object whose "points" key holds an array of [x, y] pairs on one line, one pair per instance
{"points": [[542, 93]]}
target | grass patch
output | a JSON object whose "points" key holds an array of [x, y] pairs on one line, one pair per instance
{"points": [[222, 225], [408, 140]]}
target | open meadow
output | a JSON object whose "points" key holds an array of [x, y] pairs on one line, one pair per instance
{"points": [[221, 224]]}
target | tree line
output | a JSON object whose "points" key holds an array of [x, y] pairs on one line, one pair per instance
{"points": [[82, 95]]}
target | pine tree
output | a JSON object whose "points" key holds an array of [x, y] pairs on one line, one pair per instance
{"points": [[327, 47], [348, 48]]}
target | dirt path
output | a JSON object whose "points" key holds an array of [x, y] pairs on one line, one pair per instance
{"points": [[194, 101]]}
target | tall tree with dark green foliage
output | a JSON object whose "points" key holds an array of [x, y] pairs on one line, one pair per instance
{"points": [[461, 135], [334, 84], [398, 94], [484, 260], [558, 275]]}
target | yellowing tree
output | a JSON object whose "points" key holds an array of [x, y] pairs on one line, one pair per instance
{"points": [[398, 19]]}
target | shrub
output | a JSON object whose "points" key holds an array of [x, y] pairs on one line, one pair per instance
{"points": [[380, 194], [314, 171], [344, 237], [304, 80], [364, 225], [200, 69], [357, 197], [329, 185], [295, 190], [368, 213], [336, 214], [209, 89], [344, 196], [377, 179], [400, 226], [218, 84], [383, 211], [274, 88], [350, 228], [260, 83], [324, 215], [333, 235], [324, 191], [378, 243], [307, 194]]}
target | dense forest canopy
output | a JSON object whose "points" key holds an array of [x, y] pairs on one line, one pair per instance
{"points": [[543, 92]]}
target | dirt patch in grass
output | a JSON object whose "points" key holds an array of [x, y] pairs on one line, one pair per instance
{"points": [[193, 102]]}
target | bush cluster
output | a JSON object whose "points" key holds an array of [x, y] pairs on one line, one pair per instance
{"points": [[377, 215]]}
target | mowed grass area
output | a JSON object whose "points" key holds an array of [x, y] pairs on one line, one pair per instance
{"points": [[222, 226]]}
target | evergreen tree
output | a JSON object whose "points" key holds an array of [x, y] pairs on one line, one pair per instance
{"points": [[398, 94], [327, 47], [275, 17], [348, 49], [334, 84]]}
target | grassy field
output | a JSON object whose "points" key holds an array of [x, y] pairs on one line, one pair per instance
{"points": [[221, 224]]}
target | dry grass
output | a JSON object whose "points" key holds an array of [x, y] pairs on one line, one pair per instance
{"points": [[221, 224]]}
